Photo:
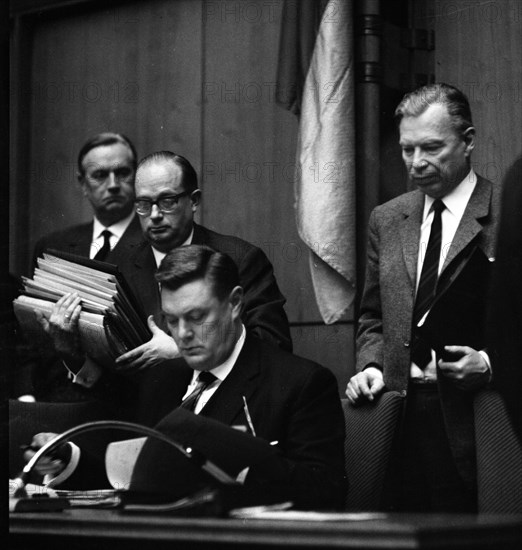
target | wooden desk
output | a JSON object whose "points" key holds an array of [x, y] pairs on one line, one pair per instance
{"points": [[100, 529]]}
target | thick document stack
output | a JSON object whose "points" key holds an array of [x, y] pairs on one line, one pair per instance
{"points": [[110, 322]]}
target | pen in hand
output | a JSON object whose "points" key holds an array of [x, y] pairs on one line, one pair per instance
{"points": [[248, 417]]}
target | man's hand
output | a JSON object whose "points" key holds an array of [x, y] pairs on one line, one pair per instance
{"points": [[62, 328], [366, 384], [470, 371], [48, 464], [158, 349]]}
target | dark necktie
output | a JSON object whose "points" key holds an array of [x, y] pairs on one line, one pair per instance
{"points": [[204, 381], [106, 248], [421, 351]]}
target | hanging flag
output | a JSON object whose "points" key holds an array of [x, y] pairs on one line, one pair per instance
{"points": [[315, 81]]}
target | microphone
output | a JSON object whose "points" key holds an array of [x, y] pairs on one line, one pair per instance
{"points": [[21, 480]]}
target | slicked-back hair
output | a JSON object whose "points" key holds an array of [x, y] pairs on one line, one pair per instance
{"points": [[192, 262], [416, 102], [190, 178], [105, 138]]}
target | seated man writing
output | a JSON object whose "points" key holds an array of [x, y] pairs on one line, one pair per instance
{"points": [[289, 406]]}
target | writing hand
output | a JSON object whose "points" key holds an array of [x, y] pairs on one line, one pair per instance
{"points": [[50, 464]]}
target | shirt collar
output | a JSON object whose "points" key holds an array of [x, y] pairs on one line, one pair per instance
{"points": [[223, 370], [158, 256], [457, 200], [117, 229]]}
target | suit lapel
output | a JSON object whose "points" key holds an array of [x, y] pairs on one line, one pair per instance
{"points": [[80, 240], [226, 405], [461, 248], [199, 236], [469, 227], [130, 240], [141, 278], [409, 229]]}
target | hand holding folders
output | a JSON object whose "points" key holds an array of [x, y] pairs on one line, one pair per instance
{"points": [[109, 322]]}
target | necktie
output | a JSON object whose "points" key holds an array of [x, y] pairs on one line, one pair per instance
{"points": [[204, 381], [421, 351], [106, 248]]}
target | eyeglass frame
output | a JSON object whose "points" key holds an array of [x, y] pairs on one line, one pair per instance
{"points": [[157, 201]]}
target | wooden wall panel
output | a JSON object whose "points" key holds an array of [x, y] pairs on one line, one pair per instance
{"points": [[129, 69], [196, 77], [331, 346], [479, 49]]}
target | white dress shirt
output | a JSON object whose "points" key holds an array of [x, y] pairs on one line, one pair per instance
{"points": [[117, 230], [220, 372]]}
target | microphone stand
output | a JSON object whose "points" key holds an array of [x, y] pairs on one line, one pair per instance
{"points": [[21, 480]]}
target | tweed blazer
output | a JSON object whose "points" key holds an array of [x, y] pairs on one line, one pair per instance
{"points": [[384, 331]]}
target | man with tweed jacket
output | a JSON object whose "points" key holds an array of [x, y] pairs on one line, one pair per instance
{"points": [[436, 469]]}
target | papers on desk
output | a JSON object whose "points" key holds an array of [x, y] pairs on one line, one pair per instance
{"points": [[110, 321], [278, 512], [41, 498]]}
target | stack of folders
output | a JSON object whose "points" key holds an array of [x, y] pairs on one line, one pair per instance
{"points": [[110, 321]]}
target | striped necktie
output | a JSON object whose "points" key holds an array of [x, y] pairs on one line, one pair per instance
{"points": [[421, 350], [205, 379]]}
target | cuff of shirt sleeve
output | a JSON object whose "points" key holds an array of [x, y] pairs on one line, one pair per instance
{"points": [[372, 366], [488, 363], [88, 375], [241, 477], [27, 398], [69, 469]]}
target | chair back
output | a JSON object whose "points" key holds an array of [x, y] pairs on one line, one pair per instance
{"points": [[371, 429], [499, 456]]}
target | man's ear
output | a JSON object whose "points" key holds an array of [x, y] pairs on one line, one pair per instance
{"points": [[236, 301], [81, 181], [195, 197], [469, 140]]}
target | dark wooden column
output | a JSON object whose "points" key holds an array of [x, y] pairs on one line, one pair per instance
{"points": [[368, 32]]}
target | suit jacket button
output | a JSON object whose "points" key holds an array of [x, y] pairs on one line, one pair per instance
{"points": [[406, 344]]}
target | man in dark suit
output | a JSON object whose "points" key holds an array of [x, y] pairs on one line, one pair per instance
{"points": [[167, 197], [106, 170], [422, 246], [288, 405]]}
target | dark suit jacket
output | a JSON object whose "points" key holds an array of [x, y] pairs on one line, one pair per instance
{"points": [[77, 240], [45, 377], [386, 309], [263, 313], [292, 401]]}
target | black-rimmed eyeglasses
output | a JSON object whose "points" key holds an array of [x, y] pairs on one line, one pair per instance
{"points": [[166, 204]]}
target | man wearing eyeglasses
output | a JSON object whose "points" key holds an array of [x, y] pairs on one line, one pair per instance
{"points": [[167, 197]]}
